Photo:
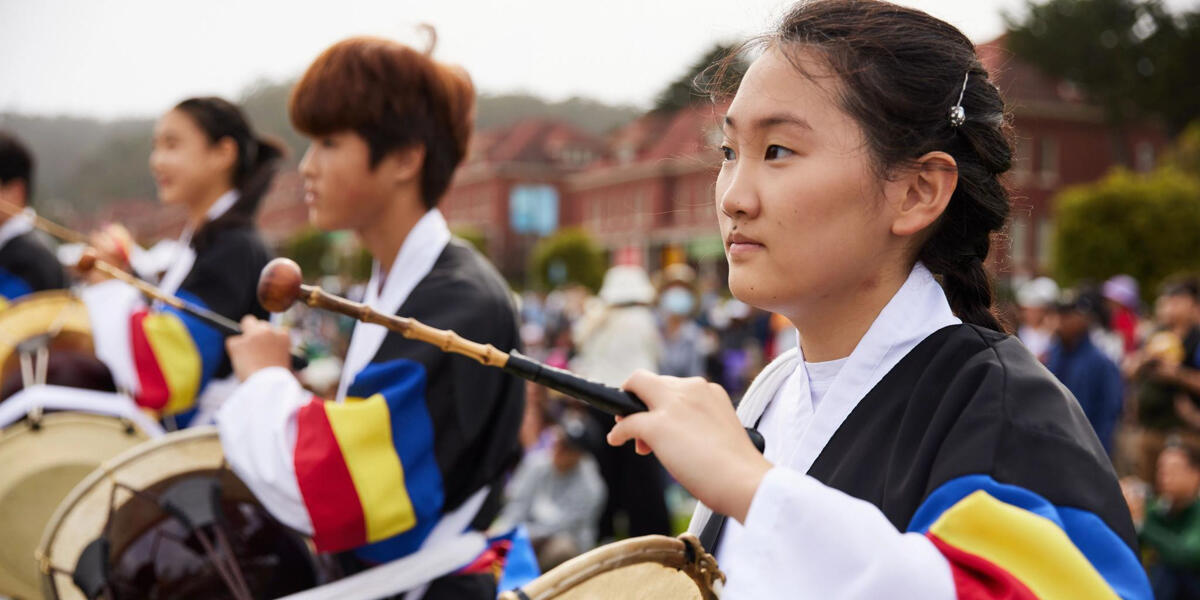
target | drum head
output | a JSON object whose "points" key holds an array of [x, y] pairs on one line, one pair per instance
{"points": [[41, 464], [652, 567], [152, 554], [64, 318]]}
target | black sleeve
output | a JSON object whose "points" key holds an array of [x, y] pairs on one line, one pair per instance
{"points": [[1021, 426], [476, 410], [27, 258], [225, 275]]}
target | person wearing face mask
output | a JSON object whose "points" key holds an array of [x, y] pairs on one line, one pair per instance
{"points": [[913, 448], [208, 161], [682, 352]]}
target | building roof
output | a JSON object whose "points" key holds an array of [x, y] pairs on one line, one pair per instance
{"points": [[536, 141]]}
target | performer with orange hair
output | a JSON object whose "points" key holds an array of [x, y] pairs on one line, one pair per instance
{"points": [[413, 450]]}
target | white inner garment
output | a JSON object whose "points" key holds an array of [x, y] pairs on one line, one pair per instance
{"points": [[821, 376]]}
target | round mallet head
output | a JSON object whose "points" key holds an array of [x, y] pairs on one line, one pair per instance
{"points": [[87, 261], [279, 284]]}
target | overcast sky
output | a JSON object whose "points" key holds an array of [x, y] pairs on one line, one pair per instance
{"points": [[112, 58]]}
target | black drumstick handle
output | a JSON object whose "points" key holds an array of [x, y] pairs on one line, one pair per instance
{"points": [[609, 399]]}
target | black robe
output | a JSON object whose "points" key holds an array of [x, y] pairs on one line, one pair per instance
{"points": [[969, 428], [27, 266]]}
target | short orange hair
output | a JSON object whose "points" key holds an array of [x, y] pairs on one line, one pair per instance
{"points": [[394, 97]]}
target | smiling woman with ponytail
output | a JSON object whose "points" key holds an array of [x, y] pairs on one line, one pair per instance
{"points": [[913, 449], [209, 162]]}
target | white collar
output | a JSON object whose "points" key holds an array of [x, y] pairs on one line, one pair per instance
{"points": [[18, 224], [420, 250], [223, 204], [917, 309], [185, 257]]}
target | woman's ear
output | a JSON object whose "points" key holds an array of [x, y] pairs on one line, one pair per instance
{"points": [[924, 192], [225, 152]]}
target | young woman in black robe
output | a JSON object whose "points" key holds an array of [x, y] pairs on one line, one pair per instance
{"points": [[913, 449]]}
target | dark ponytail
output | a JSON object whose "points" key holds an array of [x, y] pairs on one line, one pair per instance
{"points": [[255, 167], [901, 71]]}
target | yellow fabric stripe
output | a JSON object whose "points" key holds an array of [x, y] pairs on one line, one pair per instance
{"points": [[1030, 547], [364, 433], [3, 303], [178, 358]]}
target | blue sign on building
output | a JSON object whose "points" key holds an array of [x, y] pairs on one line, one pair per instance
{"points": [[533, 209]]}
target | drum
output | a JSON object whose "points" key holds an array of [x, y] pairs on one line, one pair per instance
{"points": [[167, 519], [650, 567], [46, 337], [43, 458]]}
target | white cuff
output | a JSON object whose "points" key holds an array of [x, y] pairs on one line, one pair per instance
{"points": [[804, 539], [257, 424], [110, 305]]}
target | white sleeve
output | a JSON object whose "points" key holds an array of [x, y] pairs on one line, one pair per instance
{"points": [[257, 425], [110, 305], [802, 539]]}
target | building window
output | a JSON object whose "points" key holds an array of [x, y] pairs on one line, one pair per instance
{"points": [[1048, 159], [1023, 157], [1018, 239], [1144, 157], [639, 210], [1045, 239]]}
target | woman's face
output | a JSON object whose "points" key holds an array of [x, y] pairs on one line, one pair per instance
{"points": [[188, 169], [800, 208], [341, 189]]}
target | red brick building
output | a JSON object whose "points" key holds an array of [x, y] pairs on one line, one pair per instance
{"points": [[532, 157], [1060, 140], [648, 192]]}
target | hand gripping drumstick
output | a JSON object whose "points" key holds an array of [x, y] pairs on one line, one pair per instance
{"points": [[223, 324], [89, 261], [281, 285]]}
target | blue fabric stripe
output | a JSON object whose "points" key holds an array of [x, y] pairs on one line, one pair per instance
{"points": [[13, 287], [520, 565], [1107, 552], [402, 383], [208, 340]]}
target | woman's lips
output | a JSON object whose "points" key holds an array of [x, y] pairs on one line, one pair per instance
{"points": [[740, 245]]}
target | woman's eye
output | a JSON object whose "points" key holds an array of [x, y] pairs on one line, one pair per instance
{"points": [[328, 143], [775, 151], [728, 152]]}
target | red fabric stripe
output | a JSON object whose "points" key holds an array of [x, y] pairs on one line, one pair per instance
{"points": [[325, 483], [977, 578], [154, 392], [491, 560]]}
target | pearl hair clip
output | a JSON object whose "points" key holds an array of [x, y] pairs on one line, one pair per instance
{"points": [[958, 116]]}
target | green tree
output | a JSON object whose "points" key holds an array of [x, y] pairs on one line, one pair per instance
{"points": [[1142, 225], [474, 235], [702, 76], [1185, 156], [310, 249], [568, 256], [1133, 58]]}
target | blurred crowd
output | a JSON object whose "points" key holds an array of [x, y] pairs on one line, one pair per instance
{"points": [[1135, 371], [672, 322], [1134, 367]]}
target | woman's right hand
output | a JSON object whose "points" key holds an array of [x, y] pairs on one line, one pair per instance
{"points": [[113, 245], [692, 428]]}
